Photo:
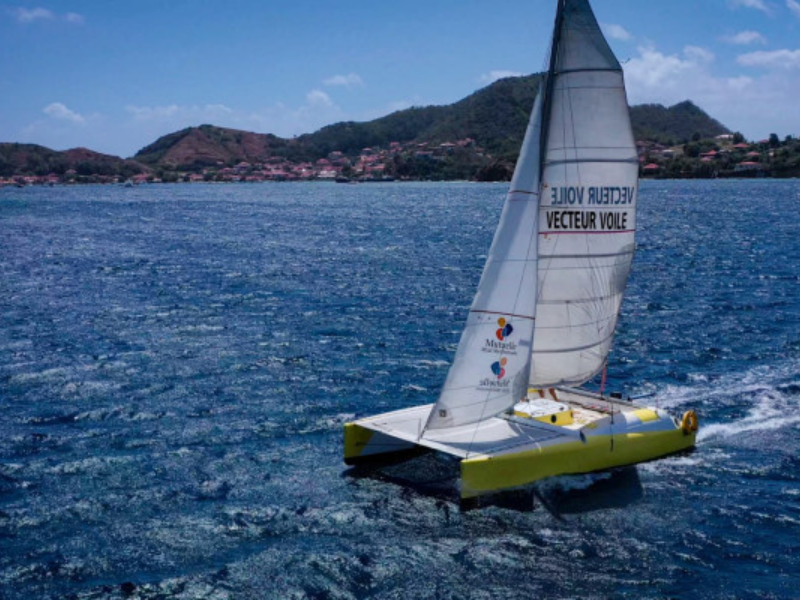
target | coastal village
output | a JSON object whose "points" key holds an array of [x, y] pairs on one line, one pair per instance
{"points": [[372, 164], [726, 155]]}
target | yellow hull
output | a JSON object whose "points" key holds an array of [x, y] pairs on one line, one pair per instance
{"points": [[506, 451], [486, 475]]}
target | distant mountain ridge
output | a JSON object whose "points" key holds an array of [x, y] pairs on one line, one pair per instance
{"points": [[32, 159], [674, 125], [494, 117]]}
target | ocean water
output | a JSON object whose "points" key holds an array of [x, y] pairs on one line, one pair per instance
{"points": [[176, 364]]}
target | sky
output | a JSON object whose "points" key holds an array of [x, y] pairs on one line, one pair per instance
{"points": [[114, 76]]}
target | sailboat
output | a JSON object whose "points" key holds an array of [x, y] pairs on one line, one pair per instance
{"points": [[542, 322]]}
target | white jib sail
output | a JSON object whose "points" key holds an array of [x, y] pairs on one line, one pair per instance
{"points": [[587, 214], [492, 364]]}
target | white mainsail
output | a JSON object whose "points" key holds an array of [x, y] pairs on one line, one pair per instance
{"points": [[548, 299], [587, 211]]}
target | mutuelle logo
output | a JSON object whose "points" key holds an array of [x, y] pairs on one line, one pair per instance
{"points": [[498, 368], [501, 345], [505, 329]]}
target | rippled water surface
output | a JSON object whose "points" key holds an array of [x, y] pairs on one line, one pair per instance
{"points": [[176, 364]]}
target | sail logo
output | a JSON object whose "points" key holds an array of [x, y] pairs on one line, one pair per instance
{"points": [[500, 344], [496, 383], [498, 368], [505, 329]]}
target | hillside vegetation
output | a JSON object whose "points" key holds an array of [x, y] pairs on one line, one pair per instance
{"points": [[477, 137], [495, 117], [34, 160]]}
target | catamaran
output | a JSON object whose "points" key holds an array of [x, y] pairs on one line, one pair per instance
{"points": [[543, 319]]}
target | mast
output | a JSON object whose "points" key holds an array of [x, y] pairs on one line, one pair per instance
{"points": [[547, 94]]}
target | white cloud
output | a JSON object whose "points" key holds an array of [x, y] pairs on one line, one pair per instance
{"points": [[696, 54], [617, 32], [776, 59], [57, 110], [745, 38], [74, 18], [147, 123], [755, 105], [192, 113], [741, 83], [757, 4], [493, 76], [794, 6], [318, 98], [349, 80], [652, 69], [29, 15]]}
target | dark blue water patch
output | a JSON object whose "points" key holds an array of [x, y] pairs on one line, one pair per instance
{"points": [[178, 361]]}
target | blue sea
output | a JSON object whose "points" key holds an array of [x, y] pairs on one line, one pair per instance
{"points": [[177, 362]]}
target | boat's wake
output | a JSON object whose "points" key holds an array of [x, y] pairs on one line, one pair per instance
{"points": [[763, 398]]}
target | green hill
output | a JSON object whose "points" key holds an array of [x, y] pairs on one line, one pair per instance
{"points": [[495, 117], [677, 124], [32, 159]]}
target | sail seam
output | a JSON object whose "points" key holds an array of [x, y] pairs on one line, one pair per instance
{"points": [[555, 149], [573, 161], [613, 265], [576, 348], [556, 256], [593, 208], [587, 70], [587, 232], [505, 314], [579, 301]]}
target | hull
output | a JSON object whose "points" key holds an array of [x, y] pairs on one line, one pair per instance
{"points": [[486, 475], [507, 451]]}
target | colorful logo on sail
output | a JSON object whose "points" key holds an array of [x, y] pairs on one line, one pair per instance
{"points": [[505, 329], [497, 368]]}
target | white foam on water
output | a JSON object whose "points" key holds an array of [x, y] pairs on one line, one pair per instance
{"points": [[768, 408], [569, 483], [410, 387], [39, 376], [433, 363]]}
